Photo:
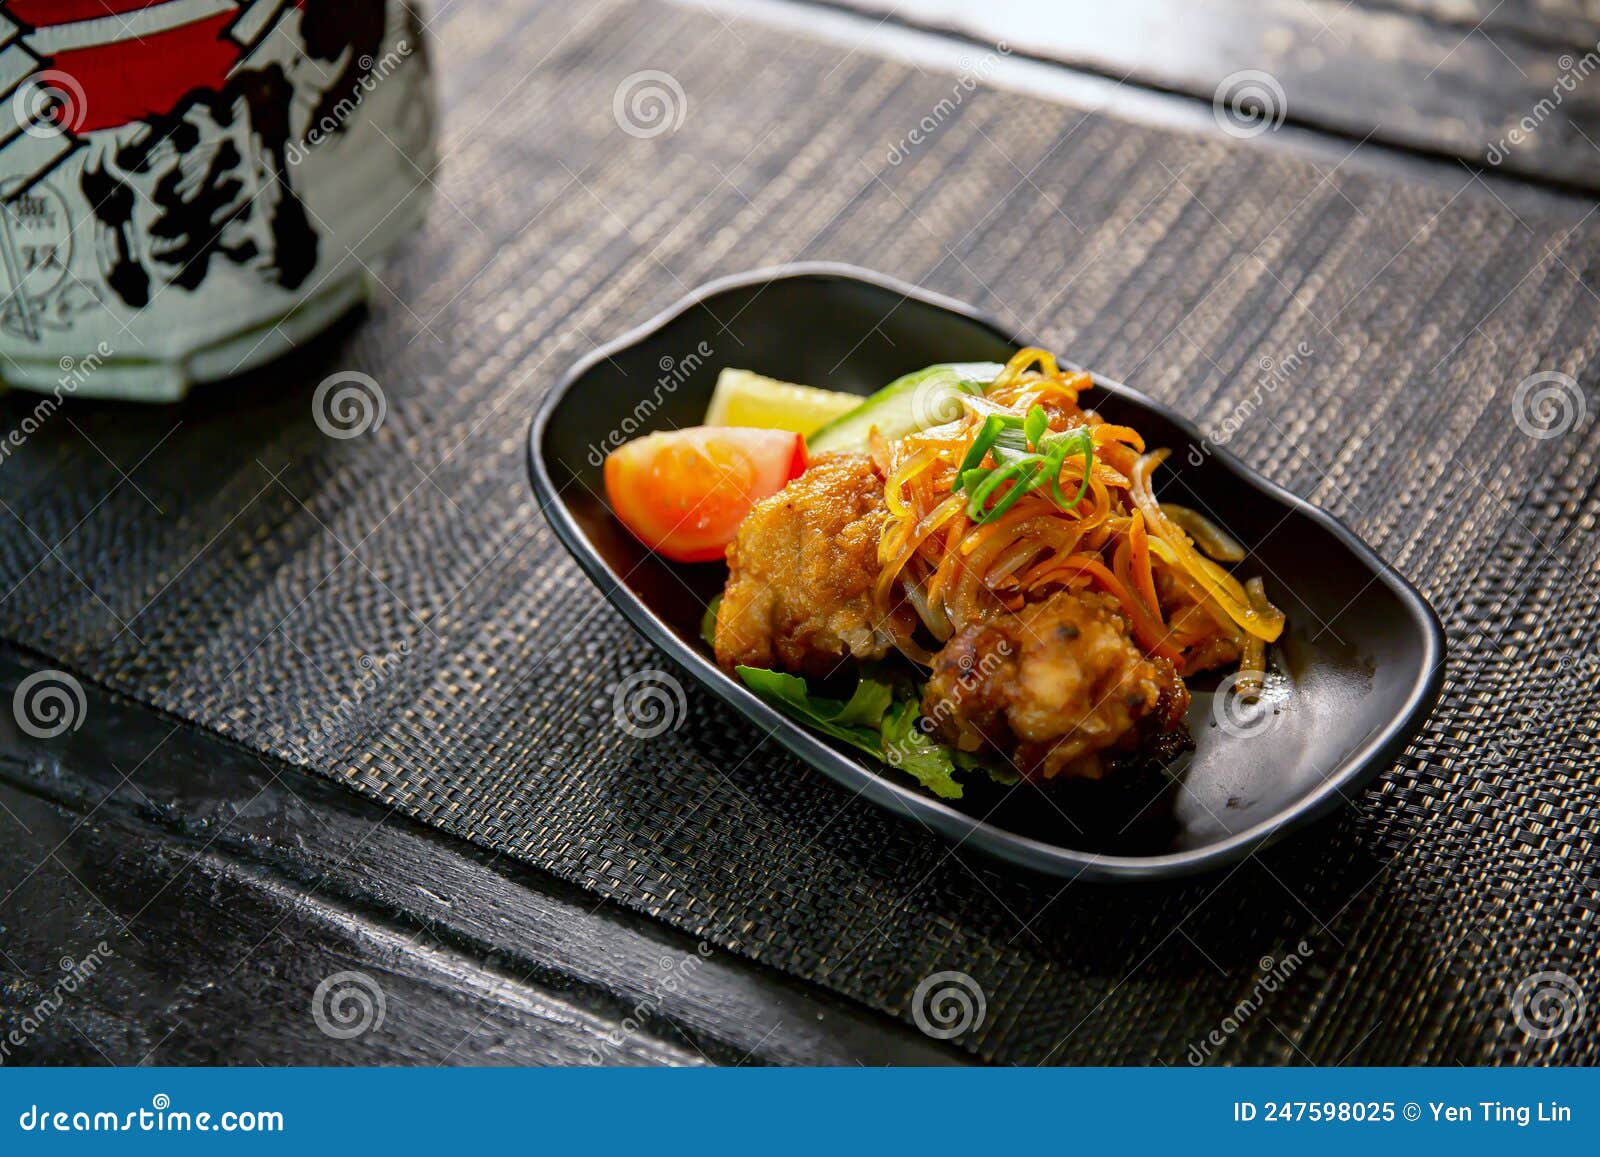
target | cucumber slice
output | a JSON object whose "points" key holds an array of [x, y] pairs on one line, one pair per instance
{"points": [[927, 397]]}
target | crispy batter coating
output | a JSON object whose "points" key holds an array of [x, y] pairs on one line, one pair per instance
{"points": [[1060, 689], [800, 573]]}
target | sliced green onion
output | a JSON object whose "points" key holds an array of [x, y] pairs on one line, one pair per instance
{"points": [[970, 478], [1027, 456], [981, 442], [1085, 437], [1035, 425], [978, 508]]}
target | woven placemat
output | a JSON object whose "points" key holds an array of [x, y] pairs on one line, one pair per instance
{"points": [[392, 611]]}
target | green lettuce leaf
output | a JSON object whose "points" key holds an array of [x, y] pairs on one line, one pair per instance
{"points": [[907, 746], [872, 720], [1005, 776], [856, 722], [866, 706]]}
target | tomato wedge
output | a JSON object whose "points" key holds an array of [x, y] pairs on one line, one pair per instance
{"points": [[683, 493]]}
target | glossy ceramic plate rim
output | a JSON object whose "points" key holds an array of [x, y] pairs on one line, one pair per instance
{"points": [[1360, 766]]}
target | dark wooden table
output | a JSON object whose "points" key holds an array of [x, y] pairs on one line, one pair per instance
{"points": [[225, 883]]}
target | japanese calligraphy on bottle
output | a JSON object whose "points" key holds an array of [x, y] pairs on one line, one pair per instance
{"points": [[198, 184]]}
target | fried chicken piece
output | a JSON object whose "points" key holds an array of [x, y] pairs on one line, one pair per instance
{"points": [[1060, 688], [800, 574]]}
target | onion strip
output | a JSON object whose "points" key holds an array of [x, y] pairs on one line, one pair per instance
{"points": [[1207, 535], [985, 514]]}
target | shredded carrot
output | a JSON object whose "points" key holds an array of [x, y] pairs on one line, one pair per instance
{"points": [[1143, 574], [1109, 533]]}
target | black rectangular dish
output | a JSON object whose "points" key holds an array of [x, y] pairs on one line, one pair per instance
{"points": [[1361, 660]]}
